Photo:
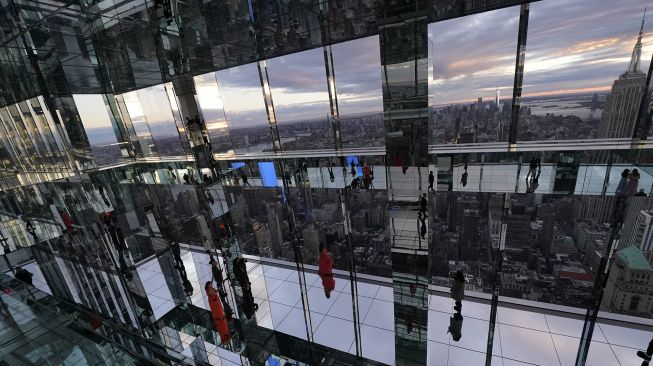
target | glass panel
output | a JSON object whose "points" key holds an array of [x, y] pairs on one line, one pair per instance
{"points": [[210, 102], [357, 67], [471, 69], [580, 83], [143, 135], [101, 136], [244, 107], [301, 100], [156, 108]]}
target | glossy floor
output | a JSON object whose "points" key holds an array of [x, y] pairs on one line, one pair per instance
{"points": [[521, 338]]}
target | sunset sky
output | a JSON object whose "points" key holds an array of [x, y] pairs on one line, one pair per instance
{"points": [[572, 46]]}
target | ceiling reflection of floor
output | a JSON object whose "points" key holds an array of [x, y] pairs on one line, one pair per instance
{"points": [[522, 337]]}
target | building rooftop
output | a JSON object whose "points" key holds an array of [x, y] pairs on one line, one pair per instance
{"points": [[634, 258]]}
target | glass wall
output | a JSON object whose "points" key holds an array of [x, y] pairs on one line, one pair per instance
{"points": [[143, 138], [244, 106], [357, 67], [301, 100], [471, 76], [156, 110], [100, 132], [583, 81]]}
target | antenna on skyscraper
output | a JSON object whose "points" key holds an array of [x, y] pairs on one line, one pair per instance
{"points": [[633, 67]]}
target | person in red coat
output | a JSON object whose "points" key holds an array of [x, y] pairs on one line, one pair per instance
{"points": [[217, 313], [67, 220], [326, 271]]}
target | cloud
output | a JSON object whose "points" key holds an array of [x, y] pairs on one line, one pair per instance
{"points": [[585, 46]]}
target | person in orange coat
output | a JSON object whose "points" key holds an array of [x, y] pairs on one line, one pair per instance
{"points": [[326, 271], [217, 312]]}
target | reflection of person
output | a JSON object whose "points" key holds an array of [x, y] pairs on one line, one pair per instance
{"points": [[326, 271], [431, 181], [330, 169], [458, 289], [423, 229], [67, 221], [175, 249], [243, 176], [355, 183], [217, 273], [646, 355], [622, 182], [217, 313], [422, 205], [633, 182], [24, 275], [532, 166], [456, 326]]}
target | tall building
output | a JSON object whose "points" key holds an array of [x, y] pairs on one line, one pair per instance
{"points": [[639, 233], [622, 104], [497, 98], [630, 286], [546, 233]]}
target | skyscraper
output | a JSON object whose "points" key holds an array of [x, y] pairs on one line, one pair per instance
{"points": [[496, 98], [621, 105]]}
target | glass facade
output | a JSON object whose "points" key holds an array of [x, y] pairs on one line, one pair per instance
{"points": [[295, 182]]}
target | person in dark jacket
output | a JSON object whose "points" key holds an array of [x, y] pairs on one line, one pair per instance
{"points": [[326, 271], [217, 273], [24, 275], [175, 249], [458, 289], [423, 203], [240, 272], [456, 326], [431, 181]]}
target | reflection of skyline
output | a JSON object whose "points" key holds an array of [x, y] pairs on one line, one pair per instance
{"points": [[564, 54]]}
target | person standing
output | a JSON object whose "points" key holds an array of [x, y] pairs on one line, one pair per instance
{"points": [[175, 249], [622, 182], [243, 176], [217, 273], [458, 290], [422, 205], [431, 181], [633, 182], [326, 271], [532, 167], [217, 313], [67, 221]]}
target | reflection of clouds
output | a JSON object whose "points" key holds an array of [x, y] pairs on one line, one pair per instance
{"points": [[584, 47]]}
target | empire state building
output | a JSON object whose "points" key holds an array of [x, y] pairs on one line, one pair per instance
{"points": [[621, 105]]}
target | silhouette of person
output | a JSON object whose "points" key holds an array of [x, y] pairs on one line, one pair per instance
{"points": [[332, 178], [186, 178], [431, 181], [633, 182], [458, 290], [531, 167], [423, 228], [243, 176], [422, 205], [646, 355], [463, 178]]}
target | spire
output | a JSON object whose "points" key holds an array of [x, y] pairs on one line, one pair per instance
{"points": [[496, 97], [633, 67]]}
